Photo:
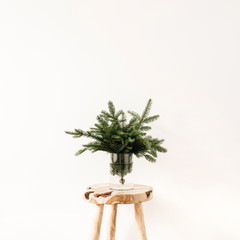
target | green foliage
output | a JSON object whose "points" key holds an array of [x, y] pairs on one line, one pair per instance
{"points": [[121, 165], [113, 134]]}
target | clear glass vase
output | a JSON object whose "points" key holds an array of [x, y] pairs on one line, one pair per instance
{"points": [[121, 167]]}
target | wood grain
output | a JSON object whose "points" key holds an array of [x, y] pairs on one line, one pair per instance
{"points": [[95, 234], [112, 223], [140, 221], [102, 194]]}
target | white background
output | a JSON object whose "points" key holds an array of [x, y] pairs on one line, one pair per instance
{"points": [[61, 61]]}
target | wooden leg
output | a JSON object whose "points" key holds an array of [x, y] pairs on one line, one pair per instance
{"points": [[97, 223], [112, 223], [140, 220]]}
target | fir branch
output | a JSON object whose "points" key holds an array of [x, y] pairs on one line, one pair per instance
{"points": [[134, 114], [118, 113], [145, 128], [106, 114], [111, 108], [132, 122], [113, 134], [153, 152], [72, 133], [102, 121], [80, 151], [78, 133], [161, 149], [151, 119], [123, 119], [146, 110], [149, 158]]}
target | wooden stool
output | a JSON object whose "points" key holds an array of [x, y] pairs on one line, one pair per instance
{"points": [[102, 194]]}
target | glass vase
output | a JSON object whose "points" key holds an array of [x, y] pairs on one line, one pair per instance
{"points": [[121, 167]]}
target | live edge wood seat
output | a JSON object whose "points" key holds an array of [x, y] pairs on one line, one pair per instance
{"points": [[101, 194]]}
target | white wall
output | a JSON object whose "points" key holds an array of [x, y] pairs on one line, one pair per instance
{"points": [[61, 61]]}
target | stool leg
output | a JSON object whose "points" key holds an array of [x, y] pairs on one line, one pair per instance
{"points": [[97, 222], [140, 220], [112, 223]]}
